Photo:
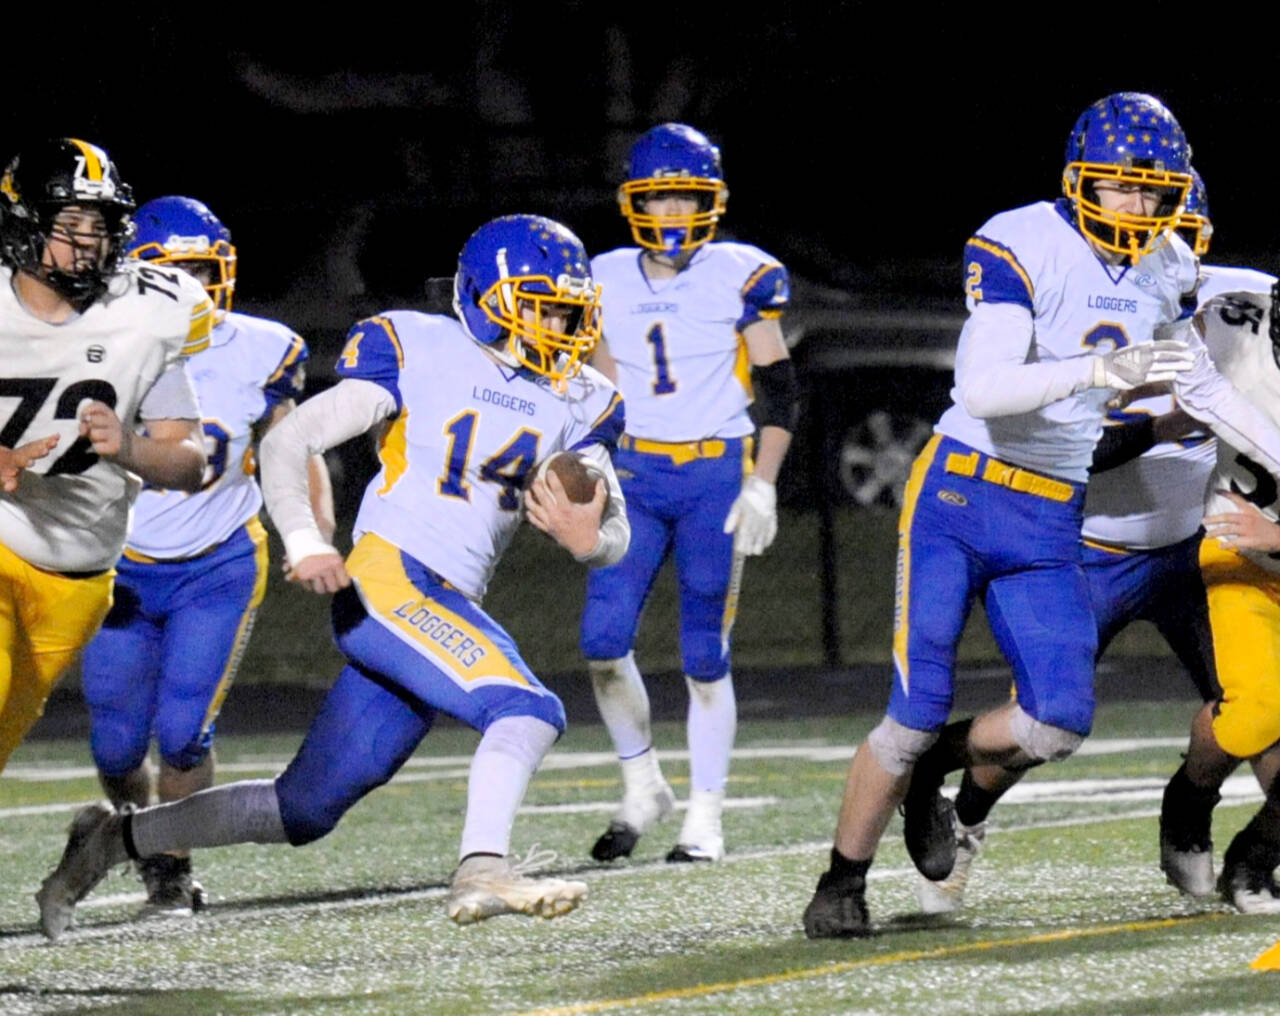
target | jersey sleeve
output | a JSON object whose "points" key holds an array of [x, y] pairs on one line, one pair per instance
{"points": [[606, 428], [765, 294], [289, 378], [993, 274], [200, 327], [374, 353]]}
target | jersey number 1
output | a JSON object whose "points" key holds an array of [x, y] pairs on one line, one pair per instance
{"points": [[663, 384]]}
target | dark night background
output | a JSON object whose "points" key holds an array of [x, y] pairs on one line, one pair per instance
{"points": [[352, 157]]}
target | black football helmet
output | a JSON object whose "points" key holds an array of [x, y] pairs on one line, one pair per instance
{"points": [[38, 184]]}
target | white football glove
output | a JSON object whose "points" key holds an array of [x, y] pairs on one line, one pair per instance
{"points": [[1126, 368], [753, 519]]}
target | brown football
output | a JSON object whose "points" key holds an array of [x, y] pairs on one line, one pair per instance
{"points": [[574, 472]]}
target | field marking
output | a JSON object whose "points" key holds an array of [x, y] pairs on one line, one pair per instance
{"points": [[1237, 789], [904, 956], [559, 760]]}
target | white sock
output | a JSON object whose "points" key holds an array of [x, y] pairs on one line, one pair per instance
{"points": [[505, 760], [712, 723], [623, 703], [245, 812]]}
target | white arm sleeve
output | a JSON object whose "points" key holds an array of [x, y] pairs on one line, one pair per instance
{"points": [[1216, 402], [993, 375], [349, 408], [615, 530]]}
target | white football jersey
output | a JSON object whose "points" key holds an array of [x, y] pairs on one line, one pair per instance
{"points": [[1158, 498], [467, 431], [1236, 331], [1036, 258], [250, 366], [682, 361], [71, 509]]}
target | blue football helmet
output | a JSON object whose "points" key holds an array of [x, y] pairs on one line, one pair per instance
{"points": [[516, 276], [1194, 224], [1127, 140], [36, 187], [182, 231], [673, 160]]}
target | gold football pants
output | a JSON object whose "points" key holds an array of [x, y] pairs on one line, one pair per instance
{"points": [[1244, 612], [45, 620]]}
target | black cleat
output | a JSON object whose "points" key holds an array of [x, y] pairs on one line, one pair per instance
{"points": [[838, 908], [617, 841], [170, 885], [684, 854], [1248, 880], [929, 831], [1186, 844]]}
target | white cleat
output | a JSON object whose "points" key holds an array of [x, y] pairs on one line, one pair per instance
{"points": [[1189, 871], [700, 837], [85, 861], [485, 886], [639, 812], [947, 896]]}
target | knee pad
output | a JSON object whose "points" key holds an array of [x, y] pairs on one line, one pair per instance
{"points": [[897, 748], [1245, 727], [188, 754], [1041, 741], [116, 750], [524, 738], [310, 812]]}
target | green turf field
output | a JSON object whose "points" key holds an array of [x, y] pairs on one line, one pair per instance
{"points": [[1067, 911]]}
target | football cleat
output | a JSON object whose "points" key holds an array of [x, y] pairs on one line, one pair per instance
{"points": [[85, 862], [485, 886], [1248, 880], [170, 886], [700, 836], [639, 812], [929, 831], [945, 896], [1186, 844], [838, 908], [1249, 890]]}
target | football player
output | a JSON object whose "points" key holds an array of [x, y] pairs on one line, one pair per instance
{"points": [[95, 395], [692, 326], [1141, 537], [1242, 577], [194, 569], [1068, 304], [472, 402]]}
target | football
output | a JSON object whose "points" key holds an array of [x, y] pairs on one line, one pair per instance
{"points": [[576, 474]]}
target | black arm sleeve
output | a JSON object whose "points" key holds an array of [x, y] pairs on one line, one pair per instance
{"points": [[1123, 443], [778, 393]]}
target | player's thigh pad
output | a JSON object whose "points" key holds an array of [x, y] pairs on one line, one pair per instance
{"points": [[704, 563], [939, 567], [120, 673], [207, 627], [402, 621], [616, 594], [1244, 612], [50, 618], [363, 733]]}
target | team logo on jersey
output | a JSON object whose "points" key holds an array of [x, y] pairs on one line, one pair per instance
{"points": [[953, 497], [1145, 281], [95, 354]]}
